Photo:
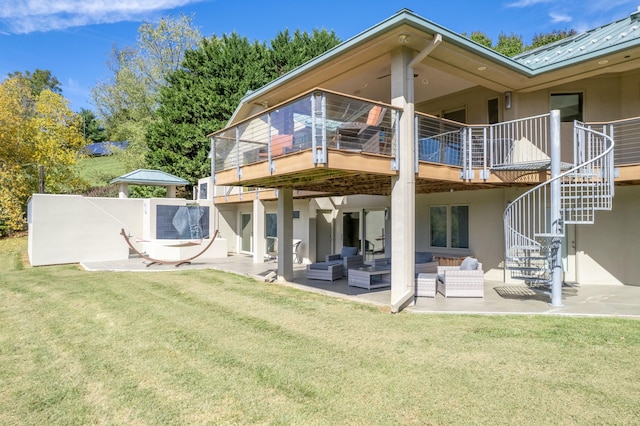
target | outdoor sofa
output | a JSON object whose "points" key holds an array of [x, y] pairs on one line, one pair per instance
{"points": [[466, 280]]}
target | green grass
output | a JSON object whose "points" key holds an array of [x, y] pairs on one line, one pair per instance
{"points": [[205, 347], [99, 171]]}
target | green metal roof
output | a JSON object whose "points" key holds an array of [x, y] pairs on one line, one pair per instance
{"points": [[607, 39], [150, 177], [589, 45]]}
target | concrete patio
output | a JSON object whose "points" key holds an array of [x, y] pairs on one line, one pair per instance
{"points": [[500, 298]]}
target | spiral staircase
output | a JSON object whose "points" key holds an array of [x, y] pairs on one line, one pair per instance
{"points": [[533, 233]]}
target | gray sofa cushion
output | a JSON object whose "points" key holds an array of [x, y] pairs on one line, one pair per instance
{"points": [[322, 265], [348, 251], [469, 264], [424, 257]]}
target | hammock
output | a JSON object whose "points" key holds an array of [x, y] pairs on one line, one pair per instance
{"points": [[177, 263]]}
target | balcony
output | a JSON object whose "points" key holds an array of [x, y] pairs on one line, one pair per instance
{"points": [[326, 143]]}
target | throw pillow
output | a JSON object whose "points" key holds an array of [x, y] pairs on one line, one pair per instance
{"points": [[469, 264]]}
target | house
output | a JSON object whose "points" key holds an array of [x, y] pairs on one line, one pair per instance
{"points": [[409, 137]]}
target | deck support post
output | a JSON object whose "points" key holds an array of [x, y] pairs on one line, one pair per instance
{"points": [[259, 242], [556, 213], [285, 234]]}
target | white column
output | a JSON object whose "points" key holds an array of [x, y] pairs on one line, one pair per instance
{"points": [[171, 191], [123, 190], [285, 234], [556, 212], [403, 212], [259, 242]]}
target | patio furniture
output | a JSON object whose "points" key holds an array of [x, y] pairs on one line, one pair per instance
{"points": [[324, 271], [176, 262], [369, 277], [466, 280], [348, 258], [426, 285], [424, 263]]}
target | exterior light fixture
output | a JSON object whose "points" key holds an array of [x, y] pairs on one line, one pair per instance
{"points": [[507, 100]]}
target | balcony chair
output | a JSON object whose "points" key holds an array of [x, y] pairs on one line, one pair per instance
{"points": [[348, 258], [363, 136], [466, 280]]}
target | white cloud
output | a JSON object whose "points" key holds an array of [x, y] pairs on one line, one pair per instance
{"points": [[25, 16], [558, 17], [526, 3]]}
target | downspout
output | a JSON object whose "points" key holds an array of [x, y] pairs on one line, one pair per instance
{"points": [[409, 109]]}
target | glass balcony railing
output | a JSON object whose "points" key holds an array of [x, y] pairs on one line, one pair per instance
{"points": [[316, 121]]}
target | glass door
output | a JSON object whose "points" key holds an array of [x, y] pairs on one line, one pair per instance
{"points": [[374, 234], [246, 231]]}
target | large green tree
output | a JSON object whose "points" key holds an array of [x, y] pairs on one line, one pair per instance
{"points": [[202, 95], [512, 44], [92, 130], [127, 101]]}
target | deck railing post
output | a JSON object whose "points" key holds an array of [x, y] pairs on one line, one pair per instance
{"points": [[556, 214], [238, 166], [319, 125]]}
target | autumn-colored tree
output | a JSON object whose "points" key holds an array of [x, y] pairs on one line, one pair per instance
{"points": [[35, 130]]}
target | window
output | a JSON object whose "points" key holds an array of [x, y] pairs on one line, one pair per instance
{"points": [[449, 226], [492, 110], [203, 191], [569, 104], [459, 115]]}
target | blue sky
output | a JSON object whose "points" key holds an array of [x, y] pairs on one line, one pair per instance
{"points": [[73, 38]]}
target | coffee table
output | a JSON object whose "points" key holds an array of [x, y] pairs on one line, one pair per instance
{"points": [[369, 277]]}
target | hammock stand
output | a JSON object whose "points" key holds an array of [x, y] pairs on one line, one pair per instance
{"points": [[153, 261]]}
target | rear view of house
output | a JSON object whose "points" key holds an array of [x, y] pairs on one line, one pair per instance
{"points": [[411, 138]]}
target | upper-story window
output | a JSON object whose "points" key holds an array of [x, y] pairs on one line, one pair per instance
{"points": [[569, 104]]}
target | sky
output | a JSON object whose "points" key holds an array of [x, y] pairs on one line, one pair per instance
{"points": [[73, 38]]}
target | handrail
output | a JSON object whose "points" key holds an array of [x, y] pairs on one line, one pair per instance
{"points": [[525, 218]]}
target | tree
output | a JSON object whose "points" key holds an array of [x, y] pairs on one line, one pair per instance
{"points": [[35, 131], [544, 39], [127, 101], [512, 45], [203, 94], [200, 98], [480, 38], [509, 45], [91, 129], [287, 53], [39, 80]]}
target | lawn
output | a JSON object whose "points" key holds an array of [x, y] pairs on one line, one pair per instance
{"points": [[99, 171], [205, 347]]}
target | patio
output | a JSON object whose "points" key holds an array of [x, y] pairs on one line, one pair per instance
{"points": [[500, 298]]}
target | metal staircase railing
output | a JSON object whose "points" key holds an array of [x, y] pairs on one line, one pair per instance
{"points": [[532, 238]]}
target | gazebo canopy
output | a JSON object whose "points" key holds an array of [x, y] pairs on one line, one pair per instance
{"points": [[149, 177]]}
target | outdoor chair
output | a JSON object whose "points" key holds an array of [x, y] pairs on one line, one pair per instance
{"points": [[466, 280], [324, 271], [348, 258], [363, 136]]}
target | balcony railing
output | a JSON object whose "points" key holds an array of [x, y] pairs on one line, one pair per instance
{"points": [[320, 120], [317, 121], [522, 143], [627, 136]]}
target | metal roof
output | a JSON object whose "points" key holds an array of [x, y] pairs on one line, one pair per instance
{"points": [[581, 47], [150, 177]]}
